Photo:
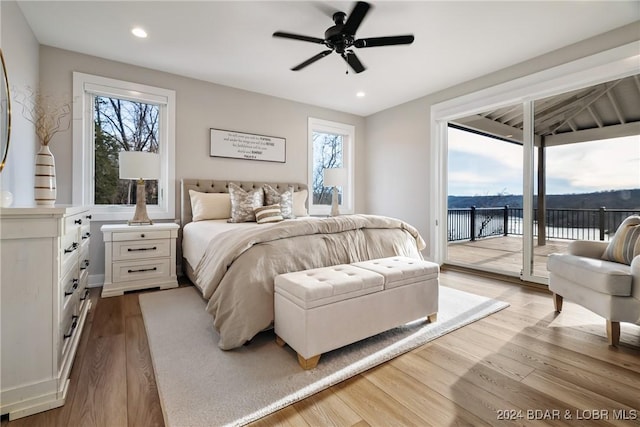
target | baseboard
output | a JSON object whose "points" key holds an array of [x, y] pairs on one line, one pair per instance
{"points": [[95, 281]]}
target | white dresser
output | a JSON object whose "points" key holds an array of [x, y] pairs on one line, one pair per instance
{"points": [[139, 257], [44, 255]]}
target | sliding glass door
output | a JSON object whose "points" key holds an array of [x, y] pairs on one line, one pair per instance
{"points": [[524, 180]]}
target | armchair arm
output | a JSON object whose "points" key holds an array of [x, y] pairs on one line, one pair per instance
{"points": [[635, 280], [588, 248]]}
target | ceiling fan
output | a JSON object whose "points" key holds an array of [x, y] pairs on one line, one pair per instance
{"points": [[341, 38]]}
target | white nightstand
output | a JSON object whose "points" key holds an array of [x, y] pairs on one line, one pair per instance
{"points": [[139, 257]]}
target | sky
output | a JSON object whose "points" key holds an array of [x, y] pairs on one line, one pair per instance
{"points": [[484, 166]]}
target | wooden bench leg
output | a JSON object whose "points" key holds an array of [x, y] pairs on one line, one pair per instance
{"points": [[613, 333], [432, 317], [309, 363], [280, 341], [557, 302]]}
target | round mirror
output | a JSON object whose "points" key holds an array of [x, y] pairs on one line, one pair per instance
{"points": [[5, 114]]}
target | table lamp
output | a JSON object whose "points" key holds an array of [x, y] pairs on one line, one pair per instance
{"points": [[140, 165], [334, 177]]}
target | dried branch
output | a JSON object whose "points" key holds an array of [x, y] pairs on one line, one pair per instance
{"points": [[49, 114]]}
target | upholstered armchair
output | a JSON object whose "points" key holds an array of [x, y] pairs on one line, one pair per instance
{"points": [[603, 277]]}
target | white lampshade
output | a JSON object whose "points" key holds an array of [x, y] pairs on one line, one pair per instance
{"points": [[139, 165], [334, 177]]}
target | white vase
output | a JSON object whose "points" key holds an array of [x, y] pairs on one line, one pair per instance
{"points": [[45, 185]]}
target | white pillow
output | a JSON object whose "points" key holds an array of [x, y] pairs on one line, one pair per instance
{"points": [[210, 205], [299, 203]]}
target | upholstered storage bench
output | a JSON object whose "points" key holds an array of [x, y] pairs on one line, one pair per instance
{"points": [[322, 309]]}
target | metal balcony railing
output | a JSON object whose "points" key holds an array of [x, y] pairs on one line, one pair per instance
{"points": [[571, 224]]}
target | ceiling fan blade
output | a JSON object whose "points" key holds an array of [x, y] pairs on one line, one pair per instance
{"points": [[311, 60], [383, 41], [355, 18], [298, 37], [353, 61]]}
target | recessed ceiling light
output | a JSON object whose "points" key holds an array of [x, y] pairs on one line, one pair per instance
{"points": [[360, 94], [139, 32]]}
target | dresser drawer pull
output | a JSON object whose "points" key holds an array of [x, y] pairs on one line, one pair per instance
{"points": [[73, 288], [142, 249], [73, 326], [71, 248], [85, 264], [86, 235], [86, 294], [78, 221], [142, 270], [88, 216]]}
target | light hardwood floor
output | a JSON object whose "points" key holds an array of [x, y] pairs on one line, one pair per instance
{"points": [[523, 358]]}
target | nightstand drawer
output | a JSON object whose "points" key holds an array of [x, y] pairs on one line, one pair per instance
{"points": [[140, 270], [144, 249], [141, 235]]}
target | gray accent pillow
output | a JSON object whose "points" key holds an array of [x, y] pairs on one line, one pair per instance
{"points": [[284, 199], [244, 202]]}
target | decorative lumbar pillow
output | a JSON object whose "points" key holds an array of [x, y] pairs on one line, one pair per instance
{"points": [[284, 199], [244, 202], [209, 205], [270, 213], [625, 244], [300, 203]]}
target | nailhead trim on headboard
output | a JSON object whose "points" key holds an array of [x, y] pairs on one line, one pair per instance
{"points": [[221, 186]]}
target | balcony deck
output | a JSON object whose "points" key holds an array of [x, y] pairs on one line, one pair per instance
{"points": [[503, 253]]}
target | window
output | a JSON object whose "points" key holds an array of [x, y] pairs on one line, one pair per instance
{"points": [[330, 146], [116, 116]]}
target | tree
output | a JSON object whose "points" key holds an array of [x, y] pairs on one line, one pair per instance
{"points": [[122, 125], [327, 153]]}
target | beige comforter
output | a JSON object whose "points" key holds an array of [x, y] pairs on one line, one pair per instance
{"points": [[237, 271]]}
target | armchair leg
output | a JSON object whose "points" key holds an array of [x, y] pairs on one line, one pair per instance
{"points": [[557, 302], [613, 333]]}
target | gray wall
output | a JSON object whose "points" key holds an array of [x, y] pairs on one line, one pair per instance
{"points": [[200, 106], [20, 50], [399, 139]]}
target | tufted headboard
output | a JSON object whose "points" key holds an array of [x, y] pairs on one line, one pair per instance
{"points": [[221, 186]]}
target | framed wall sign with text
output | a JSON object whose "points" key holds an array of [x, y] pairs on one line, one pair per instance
{"points": [[248, 146]]}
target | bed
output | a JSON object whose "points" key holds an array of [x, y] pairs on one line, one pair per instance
{"points": [[233, 265]]}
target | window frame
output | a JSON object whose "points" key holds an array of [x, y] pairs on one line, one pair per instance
{"points": [[348, 146], [85, 88]]}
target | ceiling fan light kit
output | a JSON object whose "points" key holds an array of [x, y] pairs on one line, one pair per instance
{"points": [[340, 38]]}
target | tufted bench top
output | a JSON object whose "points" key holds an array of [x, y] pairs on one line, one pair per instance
{"points": [[400, 270], [326, 285]]}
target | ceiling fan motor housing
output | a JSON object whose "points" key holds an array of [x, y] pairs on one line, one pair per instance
{"points": [[335, 38]]}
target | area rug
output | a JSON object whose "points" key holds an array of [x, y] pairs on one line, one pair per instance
{"points": [[201, 385]]}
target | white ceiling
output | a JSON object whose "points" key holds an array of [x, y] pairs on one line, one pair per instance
{"points": [[231, 43]]}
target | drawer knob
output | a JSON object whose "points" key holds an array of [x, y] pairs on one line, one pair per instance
{"points": [[73, 288], [88, 216], [86, 235], [142, 236], [73, 326], [85, 264], [71, 248], [86, 294], [78, 221]]}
